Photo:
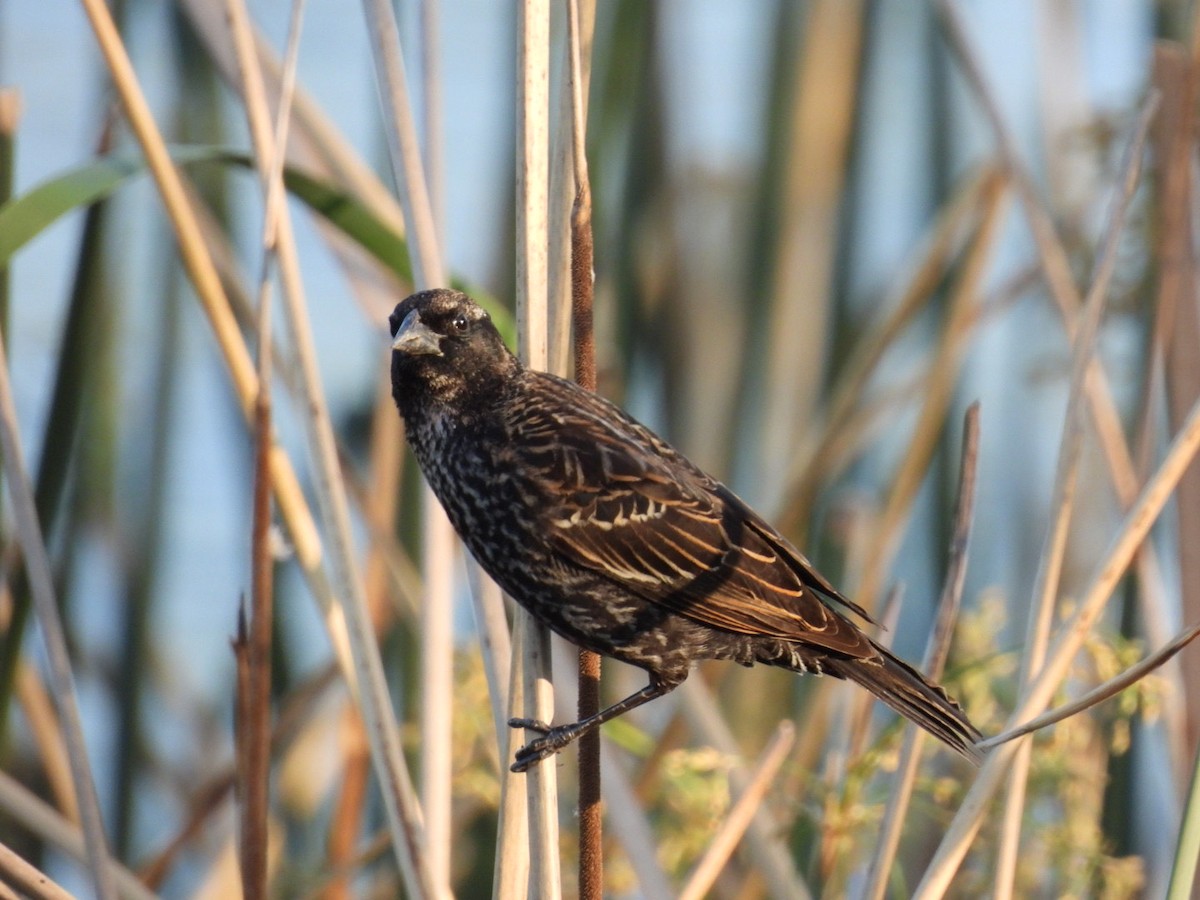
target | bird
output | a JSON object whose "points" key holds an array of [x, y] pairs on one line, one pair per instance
{"points": [[613, 539]]}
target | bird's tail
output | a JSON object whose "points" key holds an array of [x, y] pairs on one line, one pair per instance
{"points": [[912, 695]]}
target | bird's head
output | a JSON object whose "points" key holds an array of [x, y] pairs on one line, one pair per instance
{"points": [[445, 350]]}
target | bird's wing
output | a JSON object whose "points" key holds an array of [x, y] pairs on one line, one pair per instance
{"points": [[619, 501]]}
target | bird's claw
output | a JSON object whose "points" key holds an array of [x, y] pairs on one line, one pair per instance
{"points": [[551, 741], [530, 725]]}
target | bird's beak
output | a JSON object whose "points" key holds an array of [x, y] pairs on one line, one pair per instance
{"points": [[416, 338]]}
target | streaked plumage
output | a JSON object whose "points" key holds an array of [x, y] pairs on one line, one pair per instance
{"points": [[611, 537]]}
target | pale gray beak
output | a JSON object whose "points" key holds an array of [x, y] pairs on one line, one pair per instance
{"points": [[416, 338]]}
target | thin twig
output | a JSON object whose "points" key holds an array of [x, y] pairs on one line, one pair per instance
{"points": [[62, 681], [1098, 694]]}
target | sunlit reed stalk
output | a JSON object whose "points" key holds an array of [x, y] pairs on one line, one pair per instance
{"points": [[764, 839], [203, 276], [825, 79], [740, 816], [254, 697], [437, 643], [38, 708], [1074, 631], [48, 825], [399, 799], [531, 642], [1046, 584], [17, 873], [944, 370]]}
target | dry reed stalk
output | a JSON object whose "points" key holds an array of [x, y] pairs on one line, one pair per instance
{"points": [[38, 707], [825, 82], [1175, 75], [943, 370], [954, 222], [764, 837], [740, 816], [404, 814], [438, 547], [530, 640], [1132, 532], [1046, 583], [62, 681], [510, 872], [938, 648], [32, 883]]}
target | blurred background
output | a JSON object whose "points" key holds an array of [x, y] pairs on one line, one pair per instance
{"points": [[812, 254]]}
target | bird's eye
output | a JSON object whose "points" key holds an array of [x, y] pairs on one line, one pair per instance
{"points": [[460, 324]]}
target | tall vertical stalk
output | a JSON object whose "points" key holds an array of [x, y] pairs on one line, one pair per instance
{"points": [[531, 641]]}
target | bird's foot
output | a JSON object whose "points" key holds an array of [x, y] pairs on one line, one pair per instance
{"points": [[551, 741]]}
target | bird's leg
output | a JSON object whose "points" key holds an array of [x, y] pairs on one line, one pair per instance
{"points": [[555, 739]]}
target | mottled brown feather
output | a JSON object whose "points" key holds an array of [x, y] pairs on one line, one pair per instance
{"points": [[636, 511]]}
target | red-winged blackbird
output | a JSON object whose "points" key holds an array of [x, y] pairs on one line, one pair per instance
{"points": [[611, 537]]}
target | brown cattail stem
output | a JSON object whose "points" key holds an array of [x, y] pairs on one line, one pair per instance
{"points": [[591, 833]]}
